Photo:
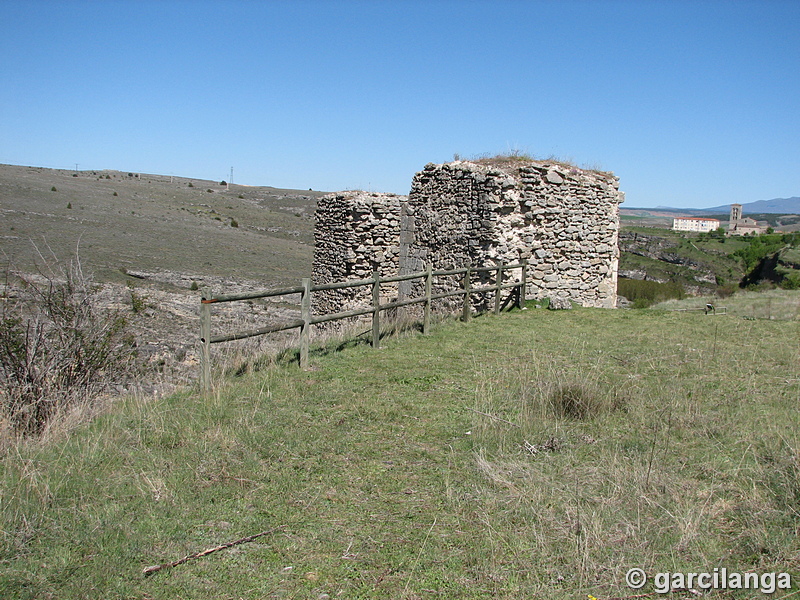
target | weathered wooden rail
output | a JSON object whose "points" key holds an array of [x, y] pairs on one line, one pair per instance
{"points": [[306, 319], [708, 309]]}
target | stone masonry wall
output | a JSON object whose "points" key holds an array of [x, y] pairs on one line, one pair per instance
{"points": [[563, 220], [355, 233]]}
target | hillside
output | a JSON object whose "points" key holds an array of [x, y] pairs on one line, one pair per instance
{"points": [[663, 255], [658, 263], [536, 454], [154, 240], [179, 227]]}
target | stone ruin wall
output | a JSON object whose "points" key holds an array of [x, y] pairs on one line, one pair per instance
{"points": [[564, 221], [355, 234]]}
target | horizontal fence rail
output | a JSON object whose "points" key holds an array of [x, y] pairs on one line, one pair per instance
{"points": [[709, 309], [307, 320]]}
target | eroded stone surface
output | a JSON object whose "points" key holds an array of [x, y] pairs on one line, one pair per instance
{"points": [[562, 220]]}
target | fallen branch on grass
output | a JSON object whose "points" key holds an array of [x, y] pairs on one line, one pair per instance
{"points": [[150, 570], [492, 416]]}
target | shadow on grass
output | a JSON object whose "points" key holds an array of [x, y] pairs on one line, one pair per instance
{"points": [[344, 338]]}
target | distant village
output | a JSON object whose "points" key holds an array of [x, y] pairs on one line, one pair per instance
{"points": [[737, 224]]}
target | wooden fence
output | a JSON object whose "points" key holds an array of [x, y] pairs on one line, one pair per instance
{"points": [[708, 309], [306, 320]]}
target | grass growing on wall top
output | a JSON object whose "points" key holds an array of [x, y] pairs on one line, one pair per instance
{"points": [[538, 454], [519, 159]]}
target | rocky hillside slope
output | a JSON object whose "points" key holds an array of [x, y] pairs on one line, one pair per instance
{"points": [[152, 241]]}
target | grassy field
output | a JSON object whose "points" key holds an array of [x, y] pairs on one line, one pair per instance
{"points": [[774, 304], [537, 455]]}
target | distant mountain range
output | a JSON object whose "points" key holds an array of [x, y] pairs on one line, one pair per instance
{"points": [[777, 205], [783, 206]]}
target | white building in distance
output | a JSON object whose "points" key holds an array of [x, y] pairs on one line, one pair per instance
{"points": [[701, 224]]}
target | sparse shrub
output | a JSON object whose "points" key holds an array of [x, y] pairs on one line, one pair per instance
{"points": [[726, 291], [190, 184], [53, 189], [138, 301], [644, 293], [210, 191], [69, 205], [58, 347], [572, 401], [223, 183], [194, 287], [791, 281], [234, 223], [582, 399]]}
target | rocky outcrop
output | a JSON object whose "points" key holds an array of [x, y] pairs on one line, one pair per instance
{"points": [[661, 249], [559, 303]]}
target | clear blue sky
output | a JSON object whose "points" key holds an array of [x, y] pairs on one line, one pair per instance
{"points": [[690, 103]]}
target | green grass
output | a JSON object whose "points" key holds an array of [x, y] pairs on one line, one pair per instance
{"points": [[445, 466], [770, 304], [645, 293]]}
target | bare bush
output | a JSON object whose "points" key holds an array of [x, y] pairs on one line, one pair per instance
{"points": [[58, 347]]}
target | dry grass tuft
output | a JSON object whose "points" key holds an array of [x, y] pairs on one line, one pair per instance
{"points": [[581, 400]]}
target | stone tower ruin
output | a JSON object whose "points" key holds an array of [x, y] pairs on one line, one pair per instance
{"points": [[355, 233], [563, 220]]}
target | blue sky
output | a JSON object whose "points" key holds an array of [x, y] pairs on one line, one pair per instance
{"points": [[691, 104]]}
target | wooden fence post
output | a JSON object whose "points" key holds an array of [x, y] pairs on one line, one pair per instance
{"points": [[498, 283], [305, 329], [522, 291], [466, 311], [426, 318], [205, 340], [376, 305]]}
